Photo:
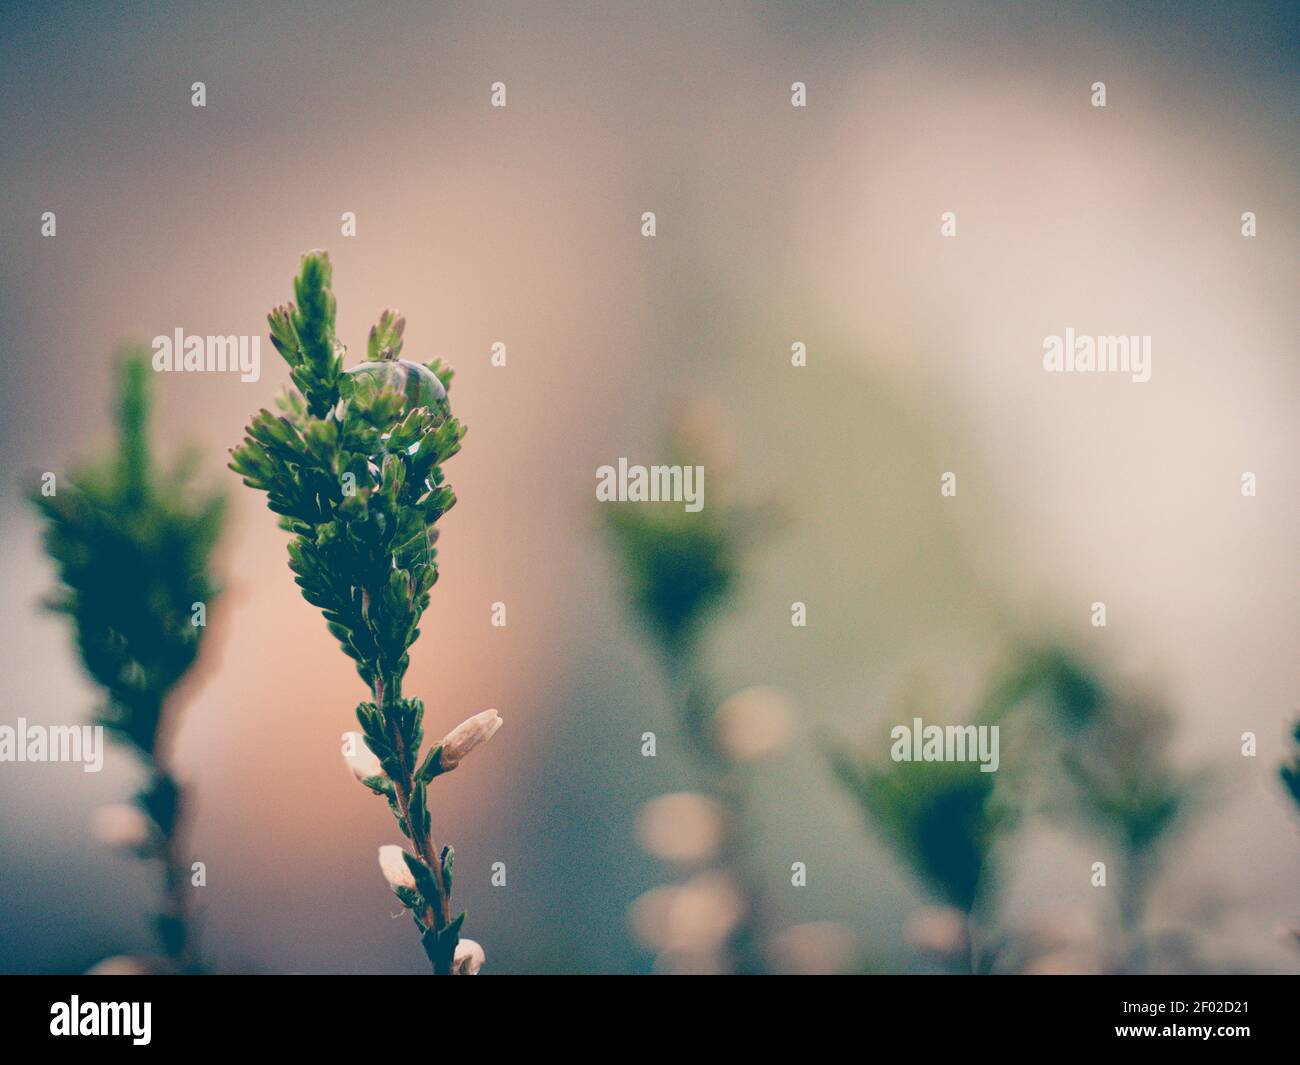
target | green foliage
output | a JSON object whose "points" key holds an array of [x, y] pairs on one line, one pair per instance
{"points": [[304, 335], [1290, 771], [356, 478], [1072, 692], [359, 484], [940, 817], [1101, 761], [1112, 752], [1125, 785], [132, 546], [678, 566], [440, 944], [943, 818]]}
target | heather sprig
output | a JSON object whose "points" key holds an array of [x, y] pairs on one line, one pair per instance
{"points": [[353, 466], [132, 546]]}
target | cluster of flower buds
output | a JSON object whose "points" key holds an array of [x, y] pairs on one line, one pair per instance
{"points": [[471, 733], [411, 878]]}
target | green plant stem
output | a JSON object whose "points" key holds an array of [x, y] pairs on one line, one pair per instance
{"points": [[422, 842], [176, 909], [1131, 903], [176, 899], [691, 698]]}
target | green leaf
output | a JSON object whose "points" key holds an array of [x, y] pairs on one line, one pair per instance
{"points": [[448, 856], [318, 373], [386, 337], [424, 881], [397, 815], [431, 766], [440, 945], [419, 810]]}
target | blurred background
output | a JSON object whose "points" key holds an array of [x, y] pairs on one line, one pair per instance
{"points": [[775, 225]]}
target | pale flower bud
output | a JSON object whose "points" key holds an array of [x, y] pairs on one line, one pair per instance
{"points": [[650, 916], [120, 965], [938, 930], [122, 826], [396, 871], [817, 948], [469, 957], [754, 724], [467, 735], [359, 758], [705, 911], [692, 961], [683, 827], [1080, 962]]}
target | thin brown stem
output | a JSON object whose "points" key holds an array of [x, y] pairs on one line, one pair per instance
{"points": [[424, 846]]}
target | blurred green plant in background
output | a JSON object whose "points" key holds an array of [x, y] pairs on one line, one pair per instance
{"points": [[1073, 750], [1128, 793], [1290, 774], [680, 568], [1290, 771], [942, 819], [132, 546]]}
